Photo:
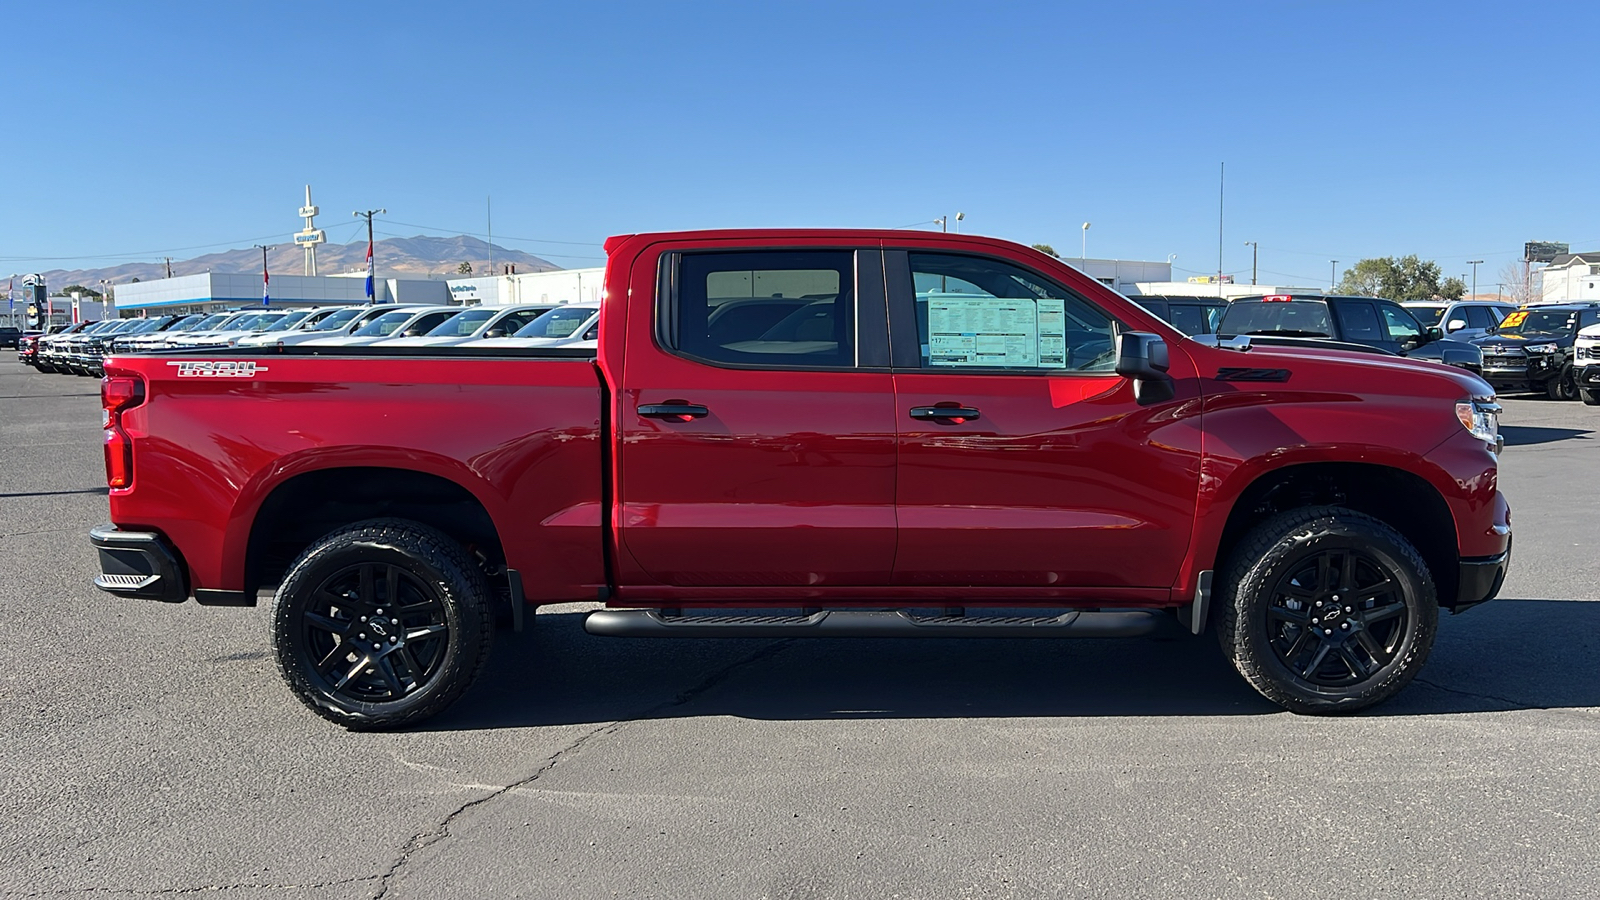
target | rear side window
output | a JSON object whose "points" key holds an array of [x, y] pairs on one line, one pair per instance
{"points": [[794, 309], [1480, 317], [1306, 318], [1360, 322]]}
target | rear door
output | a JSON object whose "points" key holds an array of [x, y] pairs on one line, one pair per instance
{"points": [[756, 426], [1025, 461], [1359, 324]]}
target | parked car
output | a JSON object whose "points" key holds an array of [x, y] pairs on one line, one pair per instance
{"points": [[570, 322], [1460, 320], [1368, 321], [124, 343], [10, 335], [1190, 315], [489, 322], [28, 345], [299, 322], [1532, 349], [97, 347], [189, 324], [852, 470], [409, 321], [51, 355]]}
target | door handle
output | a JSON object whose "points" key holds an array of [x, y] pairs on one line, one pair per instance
{"points": [[675, 410], [954, 415]]}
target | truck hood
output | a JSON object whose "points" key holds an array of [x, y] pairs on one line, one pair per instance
{"points": [[1362, 371], [1518, 340]]}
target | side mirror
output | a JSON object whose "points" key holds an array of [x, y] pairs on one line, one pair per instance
{"points": [[1143, 357], [1432, 333], [1455, 325], [495, 332]]}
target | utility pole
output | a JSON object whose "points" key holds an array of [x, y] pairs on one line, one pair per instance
{"points": [[266, 281], [488, 207], [169, 265], [1474, 263], [1253, 247], [941, 223], [371, 288]]}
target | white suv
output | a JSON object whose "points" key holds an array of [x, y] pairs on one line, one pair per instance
{"points": [[1586, 364]]}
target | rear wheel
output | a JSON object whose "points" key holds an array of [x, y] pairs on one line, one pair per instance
{"points": [[1326, 610], [1563, 386], [381, 624]]}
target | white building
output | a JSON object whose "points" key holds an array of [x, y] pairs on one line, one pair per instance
{"points": [[1121, 275], [559, 286], [1569, 277], [1225, 290], [214, 290]]}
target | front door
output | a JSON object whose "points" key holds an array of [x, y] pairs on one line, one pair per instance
{"points": [[1025, 461], [757, 422]]}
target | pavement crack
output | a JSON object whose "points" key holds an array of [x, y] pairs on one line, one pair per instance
{"points": [[196, 889], [425, 839], [1496, 698]]}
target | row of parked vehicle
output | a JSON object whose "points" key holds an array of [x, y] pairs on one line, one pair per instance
{"points": [[81, 349]]}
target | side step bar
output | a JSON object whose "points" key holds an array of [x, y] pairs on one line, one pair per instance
{"points": [[873, 623]]}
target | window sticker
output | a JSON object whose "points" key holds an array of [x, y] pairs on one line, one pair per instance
{"points": [[1514, 319], [964, 330]]}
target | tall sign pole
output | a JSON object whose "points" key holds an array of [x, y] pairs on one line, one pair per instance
{"points": [[310, 236]]}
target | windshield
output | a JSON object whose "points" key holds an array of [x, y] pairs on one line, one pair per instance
{"points": [[1525, 321], [385, 324], [1303, 318], [557, 323], [462, 324], [1427, 315], [336, 321], [289, 321], [209, 322]]}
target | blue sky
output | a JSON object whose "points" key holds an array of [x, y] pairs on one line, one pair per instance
{"points": [[1451, 130]]}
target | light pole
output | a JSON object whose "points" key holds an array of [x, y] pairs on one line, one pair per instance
{"points": [[1083, 249], [959, 217], [941, 223], [1333, 274], [1474, 263], [105, 294], [1253, 247], [266, 281]]}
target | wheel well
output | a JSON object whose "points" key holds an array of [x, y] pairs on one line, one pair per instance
{"points": [[308, 506], [1406, 502]]}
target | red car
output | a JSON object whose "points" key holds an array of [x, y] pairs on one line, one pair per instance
{"points": [[829, 433]]}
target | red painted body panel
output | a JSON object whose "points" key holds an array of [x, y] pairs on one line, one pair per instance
{"points": [[803, 486]]}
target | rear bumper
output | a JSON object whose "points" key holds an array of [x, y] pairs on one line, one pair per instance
{"points": [[137, 564]]}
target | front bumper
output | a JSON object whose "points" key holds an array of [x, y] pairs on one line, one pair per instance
{"points": [[137, 564], [1481, 578], [1589, 376]]}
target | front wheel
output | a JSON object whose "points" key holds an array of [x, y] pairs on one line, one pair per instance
{"points": [[1563, 386], [1327, 610], [381, 624], [1590, 398]]}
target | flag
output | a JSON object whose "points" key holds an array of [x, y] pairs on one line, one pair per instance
{"points": [[266, 283], [370, 296]]}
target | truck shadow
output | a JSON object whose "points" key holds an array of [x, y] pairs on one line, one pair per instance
{"points": [[1523, 435], [1506, 655]]}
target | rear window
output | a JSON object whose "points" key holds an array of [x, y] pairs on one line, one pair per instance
{"points": [[1301, 318], [560, 322], [1427, 315]]}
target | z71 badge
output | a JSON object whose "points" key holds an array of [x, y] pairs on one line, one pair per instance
{"points": [[226, 368]]}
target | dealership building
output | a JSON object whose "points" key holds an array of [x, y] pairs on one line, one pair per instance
{"points": [[220, 290]]}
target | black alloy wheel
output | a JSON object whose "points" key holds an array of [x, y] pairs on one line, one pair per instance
{"points": [[381, 624], [1563, 386], [1326, 610]]}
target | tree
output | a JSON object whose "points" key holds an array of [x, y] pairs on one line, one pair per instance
{"points": [[1516, 280], [464, 269], [1452, 289], [1406, 278], [91, 294], [1047, 250]]}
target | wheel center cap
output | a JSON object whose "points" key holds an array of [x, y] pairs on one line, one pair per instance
{"points": [[1331, 613], [379, 626]]}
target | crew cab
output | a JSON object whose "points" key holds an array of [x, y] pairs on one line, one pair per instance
{"points": [[813, 433], [1533, 349], [1383, 325], [1190, 315], [1460, 320]]}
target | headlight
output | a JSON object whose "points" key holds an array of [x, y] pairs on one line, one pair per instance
{"points": [[1542, 348], [1481, 418]]}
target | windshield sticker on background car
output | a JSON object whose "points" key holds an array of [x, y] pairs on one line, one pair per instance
{"points": [[217, 369], [1514, 319]]}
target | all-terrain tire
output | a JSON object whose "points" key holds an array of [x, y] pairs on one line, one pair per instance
{"points": [[1589, 398], [1267, 588], [381, 624], [1563, 386]]}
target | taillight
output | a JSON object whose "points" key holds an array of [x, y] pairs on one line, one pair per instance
{"points": [[118, 394]]}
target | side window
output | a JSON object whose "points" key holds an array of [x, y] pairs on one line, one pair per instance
{"points": [[1402, 327], [974, 312], [1588, 317], [1187, 319], [1480, 317], [1214, 318], [428, 323], [793, 309], [1360, 322]]}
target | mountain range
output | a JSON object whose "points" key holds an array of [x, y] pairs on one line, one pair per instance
{"points": [[416, 257]]}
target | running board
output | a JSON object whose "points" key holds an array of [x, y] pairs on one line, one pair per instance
{"points": [[873, 623]]}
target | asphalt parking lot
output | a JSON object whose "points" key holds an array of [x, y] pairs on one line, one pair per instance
{"points": [[150, 749]]}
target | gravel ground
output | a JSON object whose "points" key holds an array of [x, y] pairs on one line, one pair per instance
{"points": [[151, 749]]}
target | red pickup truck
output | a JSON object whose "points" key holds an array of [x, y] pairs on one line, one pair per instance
{"points": [[829, 433]]}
